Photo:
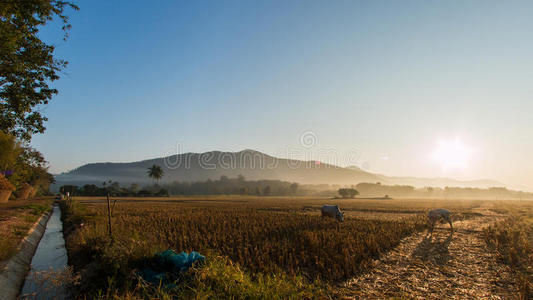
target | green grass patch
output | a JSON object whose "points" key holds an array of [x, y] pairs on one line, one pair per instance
{"points": [[37, 209], [217, 278]]}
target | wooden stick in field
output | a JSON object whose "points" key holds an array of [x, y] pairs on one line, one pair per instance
{"points": [[109, 216], [114, 203]]}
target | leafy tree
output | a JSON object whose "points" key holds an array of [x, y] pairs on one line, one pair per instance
{"points": [[144, 193], [162, 193], [23, 164], [267, 190], [71, 189], [294, 188], [90, 189], [113, 188], [155, 172], [27, 64], [134, 187], [9, 151], [39, 178], [343, 193], [348, 193]]}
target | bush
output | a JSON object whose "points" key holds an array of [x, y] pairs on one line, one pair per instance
{"points": [[162, 193], [144, 193]]}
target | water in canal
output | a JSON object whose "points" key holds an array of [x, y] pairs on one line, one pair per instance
{"points": [[48, 265]]}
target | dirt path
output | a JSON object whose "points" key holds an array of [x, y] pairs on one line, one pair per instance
{"points": [[443, 267]]}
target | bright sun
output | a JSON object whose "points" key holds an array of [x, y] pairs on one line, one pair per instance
{"points": [[452, 154]]}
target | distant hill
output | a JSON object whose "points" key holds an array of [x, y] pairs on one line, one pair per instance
{"points": [[253, 165]]}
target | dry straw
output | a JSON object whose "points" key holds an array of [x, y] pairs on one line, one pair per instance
{"points": [[25, 191], [6, 188]]}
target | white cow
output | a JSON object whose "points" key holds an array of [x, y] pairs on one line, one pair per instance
{"points": [[438, 214], [332, 211]]}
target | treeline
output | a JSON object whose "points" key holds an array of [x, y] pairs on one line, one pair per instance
{"points": [[222, 186], [498, 193], [238, 186], [113, 188], [24, 168], [380, 190], [28, 66]]}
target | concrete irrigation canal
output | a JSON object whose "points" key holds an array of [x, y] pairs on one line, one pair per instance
{"points": [[43, 253]]}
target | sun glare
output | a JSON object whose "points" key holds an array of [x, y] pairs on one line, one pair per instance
{"points": [[452, 154]]}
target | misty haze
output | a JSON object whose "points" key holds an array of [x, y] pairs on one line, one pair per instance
{"points": [[266, 149]]}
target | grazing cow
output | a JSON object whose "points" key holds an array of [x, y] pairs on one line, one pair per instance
{"points": [[438, 214], [332, 211]]}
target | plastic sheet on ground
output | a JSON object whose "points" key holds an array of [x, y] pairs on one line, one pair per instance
{"points": [[166, 266]]}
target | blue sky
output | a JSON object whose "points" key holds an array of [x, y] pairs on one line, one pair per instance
{"points": [[385, 79]]}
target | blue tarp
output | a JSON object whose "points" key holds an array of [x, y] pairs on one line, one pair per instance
{"points": [[166, 265]]}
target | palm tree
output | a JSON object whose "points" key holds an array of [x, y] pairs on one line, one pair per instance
{"points": [[155, 172]]}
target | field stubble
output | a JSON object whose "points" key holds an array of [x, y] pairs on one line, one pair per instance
{"points": [[265, 236]]}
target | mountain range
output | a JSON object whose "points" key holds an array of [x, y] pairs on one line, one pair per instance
{"points": [[253, 165]]}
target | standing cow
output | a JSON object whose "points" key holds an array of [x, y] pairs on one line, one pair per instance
{"points": [[438, 214], [332, 211]]}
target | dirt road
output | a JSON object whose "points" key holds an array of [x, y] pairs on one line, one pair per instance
{"points": [[458, 266]]}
